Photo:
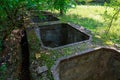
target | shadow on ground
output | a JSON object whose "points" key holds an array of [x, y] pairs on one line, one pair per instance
{"points": [[88, 23]]}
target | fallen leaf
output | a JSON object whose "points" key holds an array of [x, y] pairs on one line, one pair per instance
{"points": [[97, 36], [37, 55], [109, 42]]}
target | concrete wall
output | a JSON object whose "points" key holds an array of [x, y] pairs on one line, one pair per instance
{"points": [[102, 64]]}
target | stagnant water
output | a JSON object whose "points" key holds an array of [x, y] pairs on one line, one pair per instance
{"points": [[25, 72], [55, 35]]}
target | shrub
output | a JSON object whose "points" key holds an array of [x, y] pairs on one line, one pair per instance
{"points": [[0, 46], [83, 1]]}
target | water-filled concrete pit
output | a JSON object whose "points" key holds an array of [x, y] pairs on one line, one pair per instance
{"points": [[62, 34], [43, 16]]}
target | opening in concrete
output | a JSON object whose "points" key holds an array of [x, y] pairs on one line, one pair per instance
{"points": [[43, 17], [61, 34], [97, 64], [25, 72]]}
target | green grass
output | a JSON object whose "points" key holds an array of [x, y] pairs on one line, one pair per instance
{"points": [[92, 18]]}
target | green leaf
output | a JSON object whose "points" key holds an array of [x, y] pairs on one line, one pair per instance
{"points": [[3, 67]]}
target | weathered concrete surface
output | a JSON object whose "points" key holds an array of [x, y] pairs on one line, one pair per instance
{"points": [[98, 64]]}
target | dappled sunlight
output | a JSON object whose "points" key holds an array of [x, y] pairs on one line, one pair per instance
{"points": [[109, 42], [92, 17], [111, 38], [98, 36], [88, 11], [88, 23]]}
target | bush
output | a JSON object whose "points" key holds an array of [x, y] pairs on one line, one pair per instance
{"points": [[83, 1], [63, 5], [0, 46], [101, 1], [3, 69]]}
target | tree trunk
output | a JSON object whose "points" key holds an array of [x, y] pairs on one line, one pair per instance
{"points": [[61, 12]]}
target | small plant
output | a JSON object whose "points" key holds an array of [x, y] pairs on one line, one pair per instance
{"points": [[0, 46], [3, 68]]}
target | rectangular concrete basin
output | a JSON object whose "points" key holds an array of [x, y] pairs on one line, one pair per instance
{"points": [[42, 16], [61, 34], [97, 64]]}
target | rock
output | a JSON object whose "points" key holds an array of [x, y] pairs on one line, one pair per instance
{"points": [[15, 31], [44, 76], [42, 69], [116, 45], [9, 79]]}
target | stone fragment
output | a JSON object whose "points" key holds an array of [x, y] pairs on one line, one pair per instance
{"points": [[44, 76], [42, 69]]}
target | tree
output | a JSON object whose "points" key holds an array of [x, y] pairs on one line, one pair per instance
{"points": [[115, 4], [63, 5], [9, 11], [12, 12]]}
